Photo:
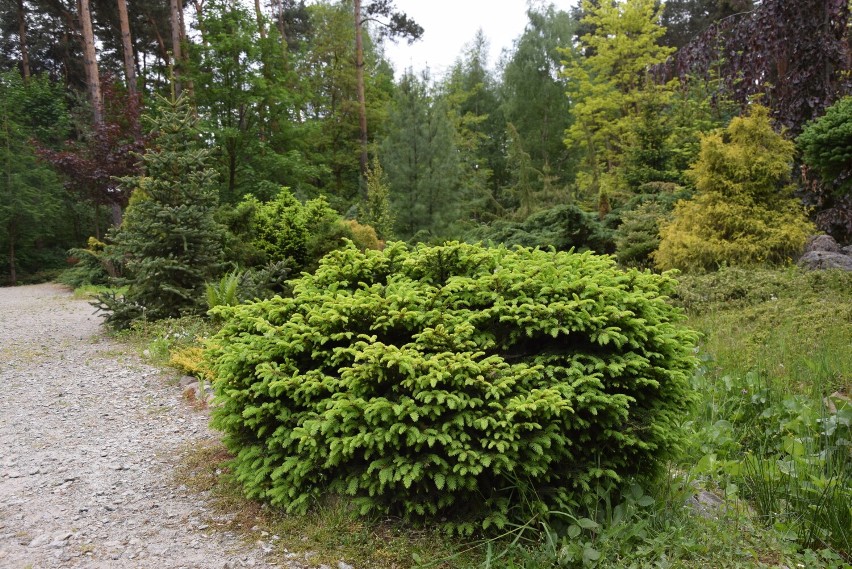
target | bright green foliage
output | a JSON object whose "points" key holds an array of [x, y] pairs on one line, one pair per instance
{"points": [[826, 145], [285, 229], [743, 212], [376, 209], [454, 381], [169, 240], [610, 86]]}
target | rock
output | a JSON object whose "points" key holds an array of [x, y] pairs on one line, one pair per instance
{"points": [[822, 243], [826, 260], [848, 249], [187, 380], [343, 565], [706, 504], [40, 540]]}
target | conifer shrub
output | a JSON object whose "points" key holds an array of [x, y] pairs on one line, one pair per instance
{"points": [[169, 241], [458, 384], [743, 212], [562, 227]]}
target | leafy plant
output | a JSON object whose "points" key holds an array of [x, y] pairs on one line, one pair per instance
{"points": [[427, 382], [224, 291], [563, 227]]}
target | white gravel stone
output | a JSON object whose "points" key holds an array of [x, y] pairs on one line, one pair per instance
{"points": [[89, 437]]}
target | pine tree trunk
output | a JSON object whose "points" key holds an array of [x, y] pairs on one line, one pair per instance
{"points": [[90, 60], [359, 79], [259, 15], [176, 18], [22, 36], [127, 47]]}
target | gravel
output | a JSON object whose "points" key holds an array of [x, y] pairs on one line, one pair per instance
{"points": [[89, 436]]}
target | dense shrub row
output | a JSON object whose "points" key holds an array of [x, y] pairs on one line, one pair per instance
{"points": [[447, 381]]}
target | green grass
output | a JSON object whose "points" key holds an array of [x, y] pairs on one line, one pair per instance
{"points": [[767, 439]]}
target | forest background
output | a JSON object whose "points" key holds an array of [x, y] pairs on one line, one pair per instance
{"points": [[571, 140]]}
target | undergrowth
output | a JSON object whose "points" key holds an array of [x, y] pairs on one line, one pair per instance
{"points": [[770, 443]]}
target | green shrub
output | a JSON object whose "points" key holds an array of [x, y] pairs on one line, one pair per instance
{"points": [[169, 240], [452, 382], [826, 145], [563, 227], [743, 212], [92, 266]]}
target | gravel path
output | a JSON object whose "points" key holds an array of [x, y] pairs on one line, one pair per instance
{"points": [[88, 438]]}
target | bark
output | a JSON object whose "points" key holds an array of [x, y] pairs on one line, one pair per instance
{"points": [[127, 47], [199, 20], [117, 213], [359, 79], [261, 28], [176, 18], [22, 36], [90, 60]]}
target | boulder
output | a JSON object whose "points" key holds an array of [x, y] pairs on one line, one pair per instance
{"points": [[822, 243], [826, 260]]}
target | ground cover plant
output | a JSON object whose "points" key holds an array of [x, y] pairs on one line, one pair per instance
{"points": [[772, 348], [477, 385], [775, 423]]}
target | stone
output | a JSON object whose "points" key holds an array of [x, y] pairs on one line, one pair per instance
{"points": [[822, 243], [187, 380], [826, 260]]}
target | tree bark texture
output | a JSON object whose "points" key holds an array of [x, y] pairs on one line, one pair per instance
{"points": [[359, 79], [127, 47], [22, 37], [90, 60]]}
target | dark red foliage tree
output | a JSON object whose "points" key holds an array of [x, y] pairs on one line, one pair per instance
{"points": [[92, 165], [791, 53]]}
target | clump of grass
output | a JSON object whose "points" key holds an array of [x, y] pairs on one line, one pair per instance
{"points": [[774, 422], [332, 530]]}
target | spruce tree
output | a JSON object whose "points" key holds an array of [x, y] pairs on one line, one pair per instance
{"points": [[169, 240]]}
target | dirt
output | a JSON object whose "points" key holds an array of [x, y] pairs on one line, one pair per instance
{"points": [[89, 439]]}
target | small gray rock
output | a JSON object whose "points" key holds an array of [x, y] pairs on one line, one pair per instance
{"points": [[343, 565], [822, 243], [826, 260], [187, 380], [40, 540]]}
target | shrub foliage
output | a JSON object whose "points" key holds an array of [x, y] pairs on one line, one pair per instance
{"points": [[452, 382], [743, 212]]}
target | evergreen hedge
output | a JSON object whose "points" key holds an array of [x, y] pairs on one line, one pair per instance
{"points": [[452, 383]]}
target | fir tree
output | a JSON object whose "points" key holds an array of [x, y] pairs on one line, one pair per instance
{"points": [[169, 240]]}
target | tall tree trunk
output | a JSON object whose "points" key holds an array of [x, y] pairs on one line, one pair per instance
{"points": [[22, 36], [176, 18], [261, 27], [359, 79], [127, 47], [90, 60]]}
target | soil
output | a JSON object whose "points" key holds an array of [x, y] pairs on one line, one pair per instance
{"points": [[89, 439]]}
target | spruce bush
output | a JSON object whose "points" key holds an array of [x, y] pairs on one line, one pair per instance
{"points": [[468, 386]]}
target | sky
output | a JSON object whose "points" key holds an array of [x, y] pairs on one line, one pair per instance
{"points": [[450, 24]]}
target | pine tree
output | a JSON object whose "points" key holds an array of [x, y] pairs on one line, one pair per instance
{"points": [[376, 210], [169, 240]]}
